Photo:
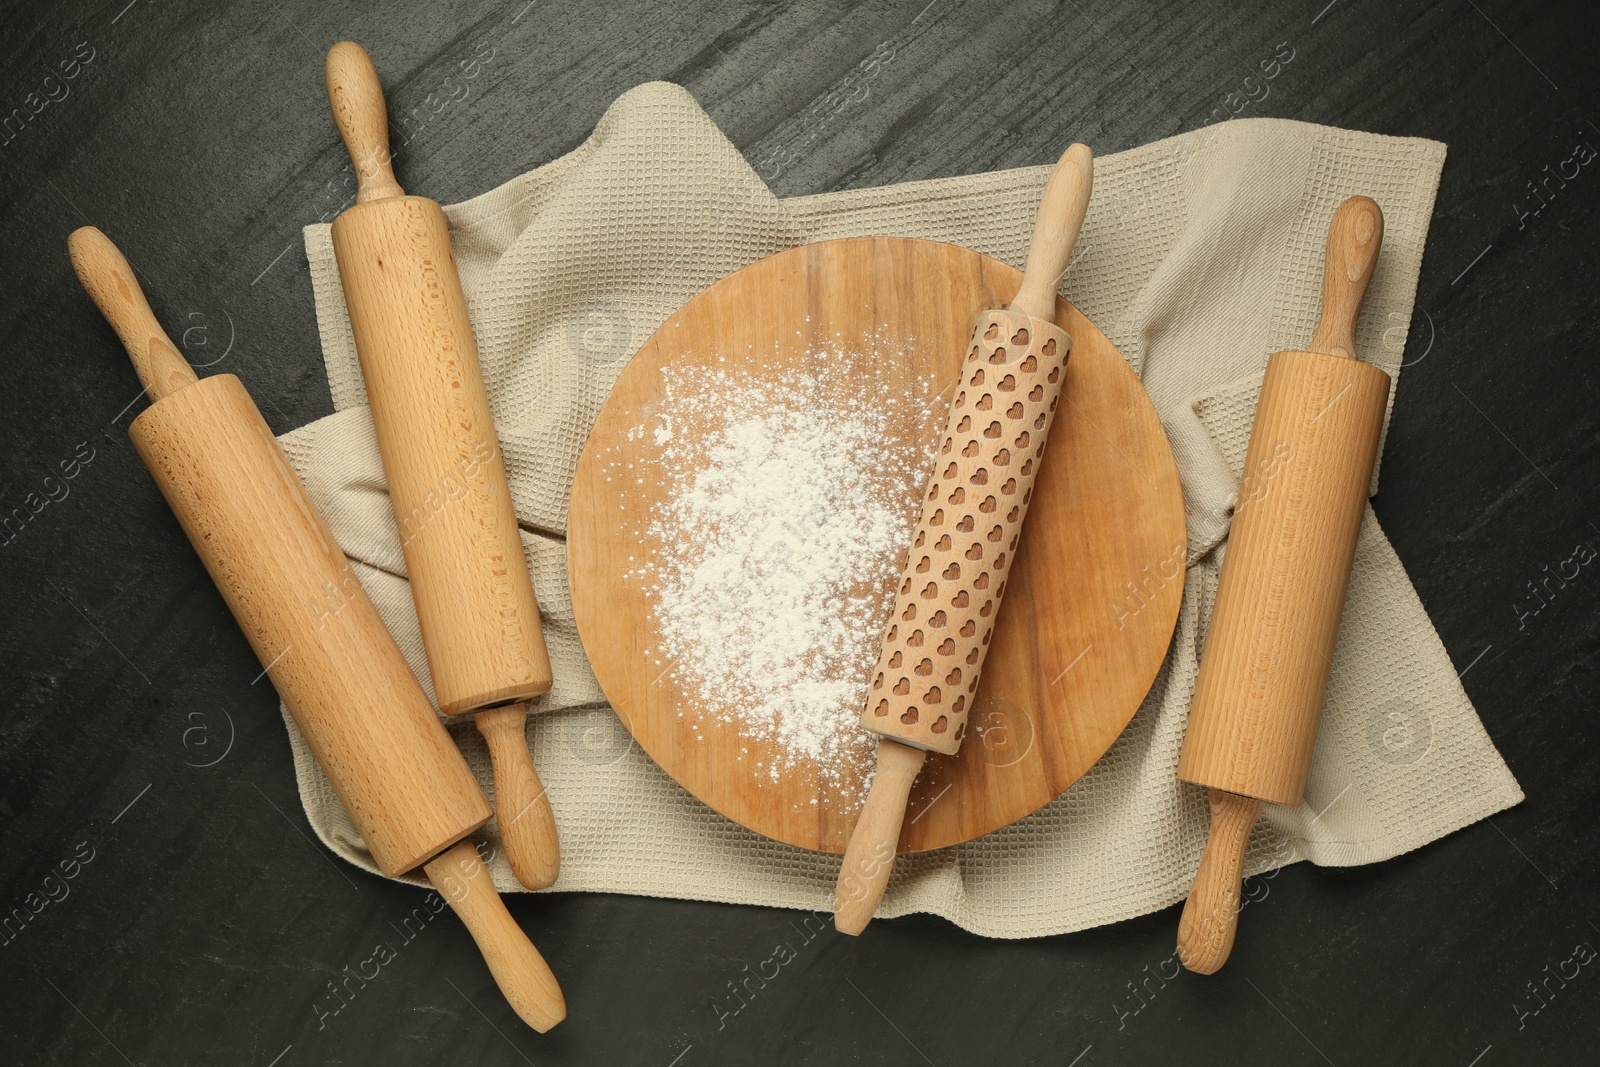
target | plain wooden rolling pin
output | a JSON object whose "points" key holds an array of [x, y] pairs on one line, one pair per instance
{"points": [[1270, 643], [955, 574], [393, 765], [447, 480]]}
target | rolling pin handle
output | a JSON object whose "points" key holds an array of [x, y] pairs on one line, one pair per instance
{"points": [[1055, 232], [111, 284], [527, 824], [356, 96], [869, 858], [1354, 237], [1211, 914], [521, 973]]}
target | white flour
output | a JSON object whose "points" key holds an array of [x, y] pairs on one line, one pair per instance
{"points": [[784, 527]]}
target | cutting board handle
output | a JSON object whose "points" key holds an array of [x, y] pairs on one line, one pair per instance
{"points": [[109, 280], [521, 973], [1354, 237], [1055, 232], [356, 96]]}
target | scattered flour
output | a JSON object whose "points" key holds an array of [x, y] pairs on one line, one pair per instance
{"points": [[783, 530]]}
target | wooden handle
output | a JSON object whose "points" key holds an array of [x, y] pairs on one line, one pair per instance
{"points": [[523, 976], [356, 97], [1055, 232], [527, 825], [1211, 915], [1354, 237], [869, 858], [110, 282]]}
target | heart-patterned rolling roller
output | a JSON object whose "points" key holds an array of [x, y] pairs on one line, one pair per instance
{"points": [[972, 512], [971, 524]]}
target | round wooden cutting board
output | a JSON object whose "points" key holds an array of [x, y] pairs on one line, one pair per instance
{"points": [[1094, 591]]}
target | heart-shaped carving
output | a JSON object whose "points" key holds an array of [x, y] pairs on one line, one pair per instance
{"points": [[964, 425], [909, 716], [972, 657], [931, 591], [956, 708], [1012, 516], [925, 668], [987, 609], [999, 563], [997, 356], [1036, 394], [895, 660], [1002, 458], [902, 687], [936, 621], [981, 581], [960, 600], [933, 696], [958, 497], [915, 639], [877, 683], [1020, 338], [1008, 384], [1014, 411], [975, 552], [922, 567], [1030, 365], [910, 612], [952, 572], [1010, 486], [947, 647], [938, 517], [1022, 440], [992, 332], [985, 402], [969, 628], [882, 708], [979, 477], [996, 533], [1054, 375], [940, 725], [954, 677], [1049, 348], [1038, 424], [977, 377]]}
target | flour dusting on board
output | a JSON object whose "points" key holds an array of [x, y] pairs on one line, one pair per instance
{"points": [[784, 526]]}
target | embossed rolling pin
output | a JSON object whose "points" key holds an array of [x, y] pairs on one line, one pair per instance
{"points": [[405, 784], [972, 511], [447, 479], [1270, 644]]}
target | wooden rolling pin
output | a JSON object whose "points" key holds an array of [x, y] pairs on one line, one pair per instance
{"points": [[447, 480], [955, 574], [1270, 644], [393, 765]]}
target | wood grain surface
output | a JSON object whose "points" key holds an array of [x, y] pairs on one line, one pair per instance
{"points": [[1072, 655]]}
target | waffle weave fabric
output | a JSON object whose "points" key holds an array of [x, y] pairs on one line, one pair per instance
{"points": [[1200, 256]]}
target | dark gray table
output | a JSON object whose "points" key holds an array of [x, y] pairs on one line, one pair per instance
{"points": [[203, 924]]}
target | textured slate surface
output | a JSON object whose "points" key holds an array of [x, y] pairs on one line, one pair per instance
{"points": [[202, 924]]}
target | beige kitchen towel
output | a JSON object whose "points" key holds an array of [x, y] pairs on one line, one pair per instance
{"points": [[1200, 256]]}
